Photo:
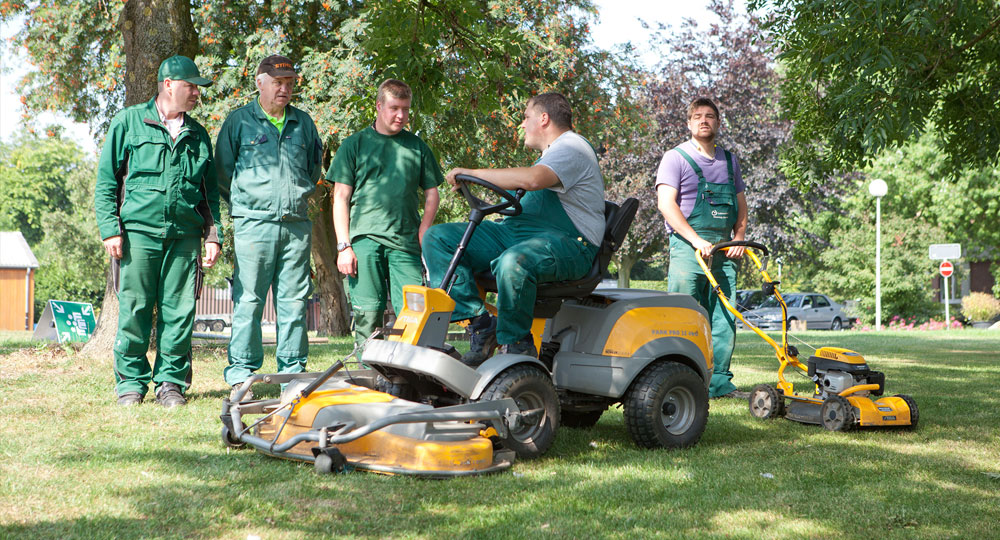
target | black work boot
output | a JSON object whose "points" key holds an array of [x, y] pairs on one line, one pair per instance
{"points": [[482, 339], [169, 395], [130, 398], [525, 346]]}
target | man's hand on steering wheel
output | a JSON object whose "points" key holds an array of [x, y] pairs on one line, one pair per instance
{"points": [[509, 205]]}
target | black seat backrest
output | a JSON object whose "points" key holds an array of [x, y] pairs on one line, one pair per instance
{"points": [[617, 220]]}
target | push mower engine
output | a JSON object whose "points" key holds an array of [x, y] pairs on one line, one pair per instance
{"points": [[835, 370]]}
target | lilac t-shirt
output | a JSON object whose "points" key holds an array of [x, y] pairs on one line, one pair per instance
{"points": [[676, 172]]}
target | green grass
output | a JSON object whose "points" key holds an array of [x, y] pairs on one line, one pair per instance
{"points": [[76, 466]]}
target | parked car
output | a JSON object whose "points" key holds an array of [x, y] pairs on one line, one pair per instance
{"points": [[747, 299], [816, 310]]}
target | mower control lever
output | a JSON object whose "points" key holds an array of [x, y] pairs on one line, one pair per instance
{"points": [[736, 243]]}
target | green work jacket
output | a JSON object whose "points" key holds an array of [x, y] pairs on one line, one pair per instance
{"points": [[264, 174], [147, 183]]}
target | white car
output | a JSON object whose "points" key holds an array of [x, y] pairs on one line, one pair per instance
{"points": [[816, 310]]}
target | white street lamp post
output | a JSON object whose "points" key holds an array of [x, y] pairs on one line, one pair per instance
{"points": [[878, 189]]}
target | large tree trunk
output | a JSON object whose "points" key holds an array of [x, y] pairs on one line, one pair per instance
{"points": [[153, 30], [625, 265], [329, 281]]}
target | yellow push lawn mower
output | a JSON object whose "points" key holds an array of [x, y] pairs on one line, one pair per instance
{"points": [[844, 385]]}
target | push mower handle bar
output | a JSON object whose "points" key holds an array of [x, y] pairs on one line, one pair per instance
{"points": [[737, 243]]}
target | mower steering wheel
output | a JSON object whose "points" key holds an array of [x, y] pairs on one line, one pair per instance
{"points": [[510, 206]]}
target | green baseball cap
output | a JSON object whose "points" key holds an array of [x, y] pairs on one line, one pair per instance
{"points": [[181, 68]]}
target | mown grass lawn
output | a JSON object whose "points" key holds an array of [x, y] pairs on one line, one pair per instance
{"points": [[74, 465]]}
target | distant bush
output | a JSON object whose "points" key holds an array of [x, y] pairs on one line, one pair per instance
{"points": [[979, 306]]}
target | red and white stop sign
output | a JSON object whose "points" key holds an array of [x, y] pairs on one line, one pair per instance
{"points": [[946, 268]]}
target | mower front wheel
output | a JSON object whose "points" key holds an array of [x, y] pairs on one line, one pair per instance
{"points": [[330, 461], [837, 414], [766, 402], [667, 406], [229, 438], [536, 398]]}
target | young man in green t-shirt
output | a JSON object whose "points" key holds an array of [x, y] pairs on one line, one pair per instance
{"points": [[376, 174]]}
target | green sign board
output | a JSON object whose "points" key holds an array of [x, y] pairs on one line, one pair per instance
{"points": [[66, 321]]}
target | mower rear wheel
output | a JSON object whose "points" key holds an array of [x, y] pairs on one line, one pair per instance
{"points": [[579, 419], [837, 414], [667, 406], [330, 461], [532, 390], [914, 411], [766, 402], [229, 438]]}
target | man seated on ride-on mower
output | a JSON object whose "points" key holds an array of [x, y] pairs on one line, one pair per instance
{"points": [[555, 238]]}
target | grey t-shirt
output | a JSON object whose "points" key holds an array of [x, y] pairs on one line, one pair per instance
{"points": [[581, 186], [676, 172]]}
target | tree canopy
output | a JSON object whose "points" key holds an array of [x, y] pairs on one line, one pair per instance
{"points": [[863, 76]]}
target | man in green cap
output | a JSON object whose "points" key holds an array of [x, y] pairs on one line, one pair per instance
{"points": [[268, 155], [377, 174], [156, 198], [700, 194]]}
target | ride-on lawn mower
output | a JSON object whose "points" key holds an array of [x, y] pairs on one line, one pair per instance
{"points": [[843, 382], [410, 413]]}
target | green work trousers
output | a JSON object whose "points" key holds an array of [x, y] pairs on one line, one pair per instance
{"points": [[382, 271], [270, 255], [519, 257], [686, 276], [155, 272]]}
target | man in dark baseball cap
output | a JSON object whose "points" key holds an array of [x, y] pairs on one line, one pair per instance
{"points": [[181, 68], [277, 66]]}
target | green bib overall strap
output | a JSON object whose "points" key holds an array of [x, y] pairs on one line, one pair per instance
{"points": [[715, 210]]}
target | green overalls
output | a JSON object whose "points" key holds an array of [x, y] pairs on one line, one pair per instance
{"points": [[267, 177], [713, 217], [540, 245], [169, 199]]}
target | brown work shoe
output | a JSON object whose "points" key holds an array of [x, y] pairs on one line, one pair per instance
{"points": [[169, 395], [236, 388], [129, 398]]}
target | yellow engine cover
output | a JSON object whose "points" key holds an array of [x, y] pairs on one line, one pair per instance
{"points": [[839, 354]]}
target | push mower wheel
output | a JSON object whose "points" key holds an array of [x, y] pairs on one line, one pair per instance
{"points": [[532, 390], [914, 411], [667, 406], [837, 414], [580, 419], [766, 402], [330, 461], [229, 438]]}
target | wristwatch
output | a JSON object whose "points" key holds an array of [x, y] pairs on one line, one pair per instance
{"points": [[341, 246]]}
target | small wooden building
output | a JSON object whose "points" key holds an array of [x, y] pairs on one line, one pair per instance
{"points": [[17, 282]]}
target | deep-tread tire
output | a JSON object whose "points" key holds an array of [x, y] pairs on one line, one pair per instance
{"points": [[837, 324], [666, 406], [914, 410], [229, 438], [329, 462], [400, 390], [766, 402], [837, 414], [531, 388], [218, 326], [579, 419]]}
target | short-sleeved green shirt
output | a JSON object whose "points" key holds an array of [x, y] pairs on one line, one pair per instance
{"points": [[386, 172]]}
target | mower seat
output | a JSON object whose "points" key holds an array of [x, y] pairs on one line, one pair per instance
{"points": [[617, 220]]}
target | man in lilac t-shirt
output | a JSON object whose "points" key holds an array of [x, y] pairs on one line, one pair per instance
{"points": [[700, 194]]}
